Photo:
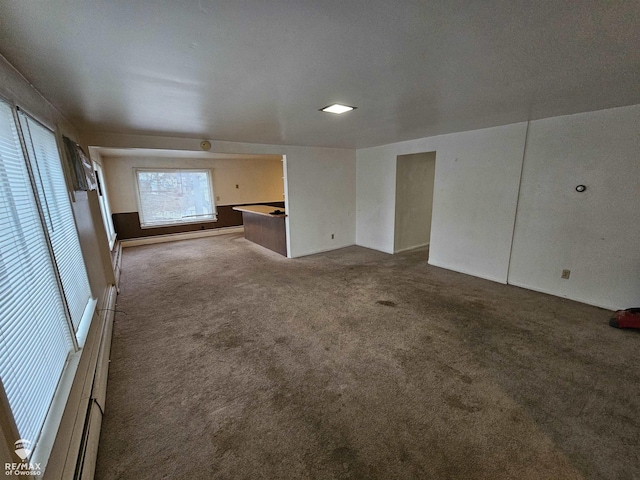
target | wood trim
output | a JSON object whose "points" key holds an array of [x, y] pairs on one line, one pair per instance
{"points": [[127, 225], [270, 232]]}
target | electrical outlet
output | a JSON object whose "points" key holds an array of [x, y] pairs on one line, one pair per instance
{"points": [[565, 274], [332, 236]]}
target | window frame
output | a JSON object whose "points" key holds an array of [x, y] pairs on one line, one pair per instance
{"points": [[105, 206], [46, 196], [42, 441], [173, 223]]}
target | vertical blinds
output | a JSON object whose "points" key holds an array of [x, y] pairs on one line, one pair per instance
{"points": [[34, 336], [54, 198]]}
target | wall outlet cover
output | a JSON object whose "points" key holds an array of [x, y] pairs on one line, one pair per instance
{"points": [[565, 274]]}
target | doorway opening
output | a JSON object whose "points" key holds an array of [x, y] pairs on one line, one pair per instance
{"points": [[415, 177], [157, 195]]}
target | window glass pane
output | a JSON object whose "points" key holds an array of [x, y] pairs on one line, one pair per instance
{"points": [[54, 199], [175, 196]]}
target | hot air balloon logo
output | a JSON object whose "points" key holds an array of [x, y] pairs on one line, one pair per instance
{"points": [[23, 448]]}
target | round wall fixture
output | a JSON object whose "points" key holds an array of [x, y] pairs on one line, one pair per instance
{"points": [[580, 188], [206, 146]]}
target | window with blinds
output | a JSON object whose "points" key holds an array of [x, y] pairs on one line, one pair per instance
{"points": [[170, 196], [44, 289], [50, 184]]}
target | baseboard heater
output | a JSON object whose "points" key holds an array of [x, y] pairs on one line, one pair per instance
{"points": [[86, 465], [172, 237]]}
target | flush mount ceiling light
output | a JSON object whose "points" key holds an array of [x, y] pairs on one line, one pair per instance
{"points": [[337, 108]]}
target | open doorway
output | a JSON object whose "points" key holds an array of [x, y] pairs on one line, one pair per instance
{"points": [[164, 195], [415, 176]]}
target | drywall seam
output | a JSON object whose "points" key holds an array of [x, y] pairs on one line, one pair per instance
{"points": [[515, 215], [285, 185]]}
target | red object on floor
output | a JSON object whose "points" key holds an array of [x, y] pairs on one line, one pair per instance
{"points": [[629, 318]]}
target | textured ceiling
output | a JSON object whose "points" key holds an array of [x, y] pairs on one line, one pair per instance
{"points": [[258, 71]]}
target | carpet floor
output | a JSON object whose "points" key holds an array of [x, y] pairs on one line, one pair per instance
{"points": [[232, 362]]}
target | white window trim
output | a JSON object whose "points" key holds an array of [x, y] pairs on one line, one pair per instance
{"points": [[103, 200], [53, 419], [172, 170]]}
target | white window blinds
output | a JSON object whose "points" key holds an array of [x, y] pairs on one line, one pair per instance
{"points": [[52, 190], [34, 336], [171, 196]]}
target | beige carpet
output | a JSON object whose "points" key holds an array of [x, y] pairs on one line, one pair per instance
{"points": [[235, 363]]}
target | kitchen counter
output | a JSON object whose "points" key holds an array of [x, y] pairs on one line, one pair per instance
{"points": [[263, 228], [261, 210]]}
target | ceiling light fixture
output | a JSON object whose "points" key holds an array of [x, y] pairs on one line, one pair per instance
{"points": [[337, 108]]}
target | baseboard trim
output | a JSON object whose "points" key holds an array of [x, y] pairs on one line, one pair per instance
{"points": [[323, 250], [586, 301], [376, 248], [412, 248], [466, 272], [173, 237]]}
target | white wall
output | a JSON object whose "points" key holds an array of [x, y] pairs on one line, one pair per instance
{"points": [[478, 174], [475, 194], [595, 234], [415, 175], [322, 199], [375, 197], [258, 180], [321, 195]]}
